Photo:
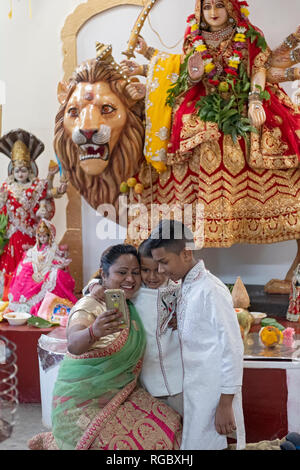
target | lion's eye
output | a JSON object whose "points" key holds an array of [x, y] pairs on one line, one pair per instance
{"points": [[107, 109], [73, 112]]}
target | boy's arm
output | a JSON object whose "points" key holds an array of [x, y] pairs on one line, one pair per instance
{"points": [[232, 360], [87, 289], [224, 419]]}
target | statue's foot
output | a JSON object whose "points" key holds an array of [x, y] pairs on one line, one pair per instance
{"points": [[278, 286]]}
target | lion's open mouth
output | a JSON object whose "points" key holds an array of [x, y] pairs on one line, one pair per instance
{"points": [[91, 151]]}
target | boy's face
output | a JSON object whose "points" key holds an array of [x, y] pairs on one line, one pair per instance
{"points": [[174, 266], [150, 275]]}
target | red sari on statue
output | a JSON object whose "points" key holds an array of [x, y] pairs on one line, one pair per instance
{"points": [[21, 206]]}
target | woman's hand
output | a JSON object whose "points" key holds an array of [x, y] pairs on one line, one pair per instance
{"points": [[107, 323], [224, 419], [257, 113], [195, 67]]}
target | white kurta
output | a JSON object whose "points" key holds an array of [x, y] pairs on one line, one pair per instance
{"points": [[161, 373], [212, 353]]}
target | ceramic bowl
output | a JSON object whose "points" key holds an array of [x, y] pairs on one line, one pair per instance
{"points": [[258, 317], [16, 318]]}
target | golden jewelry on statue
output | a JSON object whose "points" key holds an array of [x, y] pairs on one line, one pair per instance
{"points": [[42, 228], [290, 74], [292, 41], [104, 52], [20, 155]]}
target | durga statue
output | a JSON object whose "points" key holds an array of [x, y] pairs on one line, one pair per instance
{"points": [[220, 130]]}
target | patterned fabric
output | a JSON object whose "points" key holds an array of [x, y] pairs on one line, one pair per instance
{"points": [[163, 72]]}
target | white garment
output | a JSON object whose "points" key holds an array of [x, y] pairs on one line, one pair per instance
{"points": [[212, 354], [161, 373]]}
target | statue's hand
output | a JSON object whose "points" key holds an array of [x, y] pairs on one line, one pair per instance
{"points": [[52, 171], [257, 113], [131, 68], [62, 188], [136, 91], [196, 67], [141, 47]]}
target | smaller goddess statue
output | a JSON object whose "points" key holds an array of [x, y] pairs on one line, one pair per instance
{"points": [[43, 269], [24, 199], [293, 313]]}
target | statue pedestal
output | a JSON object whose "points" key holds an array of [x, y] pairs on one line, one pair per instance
{"points": [[274, 305]]}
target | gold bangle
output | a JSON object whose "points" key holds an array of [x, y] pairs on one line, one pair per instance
{"points": [[149, 52], [254, 96], [292, 41]]}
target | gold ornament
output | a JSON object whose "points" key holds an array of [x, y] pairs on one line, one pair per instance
{"points": [[43, 229], [20, 155]]}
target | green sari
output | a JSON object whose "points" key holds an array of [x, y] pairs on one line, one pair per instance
{"points": [[87, 384]]}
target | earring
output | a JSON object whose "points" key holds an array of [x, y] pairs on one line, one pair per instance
{"points": [[203, 25], [231, 21]]}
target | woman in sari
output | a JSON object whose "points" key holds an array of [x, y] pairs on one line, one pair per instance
{"points": [[97, 403]]}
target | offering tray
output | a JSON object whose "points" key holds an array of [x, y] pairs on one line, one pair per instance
{"points": [[255, 351]]}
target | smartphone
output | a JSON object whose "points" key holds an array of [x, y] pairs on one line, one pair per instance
{"points": [[115, 298]]}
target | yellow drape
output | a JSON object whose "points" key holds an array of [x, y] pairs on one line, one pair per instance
{"points": [[163, 72]]}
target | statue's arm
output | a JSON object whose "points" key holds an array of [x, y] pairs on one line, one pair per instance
{"points": [[282, 60], [256, 111]]}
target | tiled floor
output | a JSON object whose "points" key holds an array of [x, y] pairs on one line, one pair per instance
{"points": [[29, 423]]}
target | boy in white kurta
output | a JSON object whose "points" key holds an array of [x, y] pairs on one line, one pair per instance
{"points": [[211, 344]]}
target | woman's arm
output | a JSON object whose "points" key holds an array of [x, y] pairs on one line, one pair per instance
{"points": [[81, 337]]}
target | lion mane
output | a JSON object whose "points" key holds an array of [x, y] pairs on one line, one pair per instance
{"points": [[126, 157]]}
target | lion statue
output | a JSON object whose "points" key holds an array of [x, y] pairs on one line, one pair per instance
{"points": [[99, 130]]}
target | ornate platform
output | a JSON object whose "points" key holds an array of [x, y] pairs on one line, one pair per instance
{"points": [[274, 305]]}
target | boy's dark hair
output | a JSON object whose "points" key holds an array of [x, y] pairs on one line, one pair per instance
{"points": [[111, 254], [171, 235], [144, 249]]}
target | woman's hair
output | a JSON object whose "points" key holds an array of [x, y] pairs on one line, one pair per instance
{"points": [[111, 254]]}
